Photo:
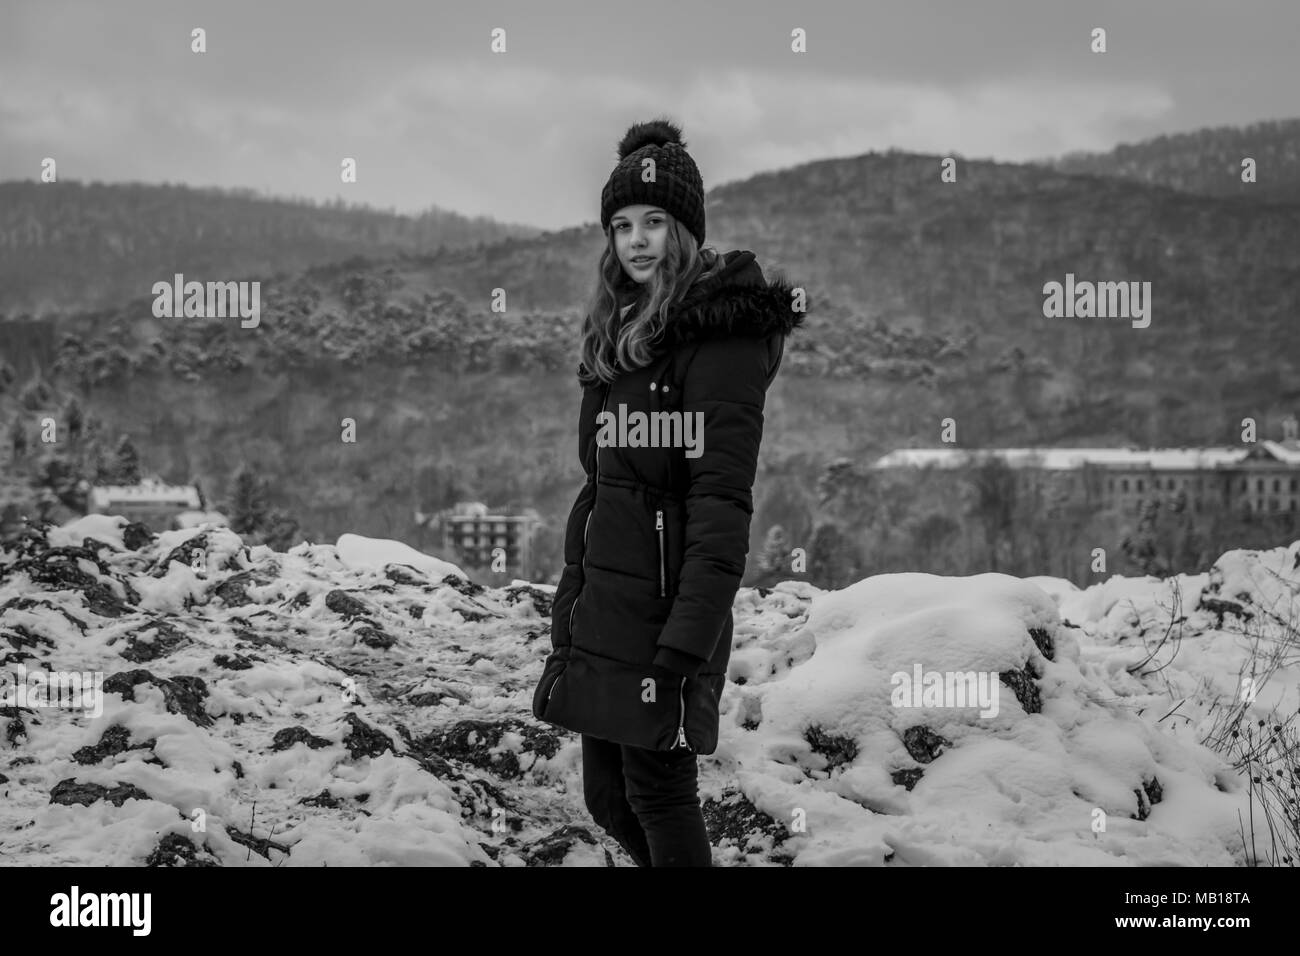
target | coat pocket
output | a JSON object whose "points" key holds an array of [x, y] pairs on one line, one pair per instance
{"points": [[679, 738], [668, 533], [567, 593], [552, 672]]}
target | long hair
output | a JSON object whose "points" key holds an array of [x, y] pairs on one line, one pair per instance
{"points": [[612, 344]]}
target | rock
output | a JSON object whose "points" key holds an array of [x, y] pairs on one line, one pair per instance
{"points": [[907, 778], [473, 742], [551, 850], [462, 585], [113, 741], [181, 695], [1150, 794], [374, 637], [136, 536], [16, 727], [184, 554], [175, 850], [19, 637], [70, 792], [167, 638], [232, 590], [1043, 641], [364, 740], [322, 799], [923, 744], [237, 662], [837, 750], [1023, 686], [404, 574], [57, 569], [286, 738], [185, 695], [541, 600], [343, 604], [26, 603], [732, 817]]}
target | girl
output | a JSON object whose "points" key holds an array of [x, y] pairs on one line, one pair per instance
{"points": [[656, 541]]}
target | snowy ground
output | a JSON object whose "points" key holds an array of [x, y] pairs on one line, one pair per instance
{"points": [[362, 704]]}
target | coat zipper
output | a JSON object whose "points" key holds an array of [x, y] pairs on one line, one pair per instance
{"points": [[681, 719], [659, 526], [603, 405]]}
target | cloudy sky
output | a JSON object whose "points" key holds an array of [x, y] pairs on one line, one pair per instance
{"points": [[412, 90]]}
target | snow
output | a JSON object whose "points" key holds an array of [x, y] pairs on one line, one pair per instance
{"points": [[1068, 459], [106, 528], [431, 757], [361, 553]]}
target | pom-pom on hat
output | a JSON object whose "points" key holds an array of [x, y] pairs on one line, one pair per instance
{"points": [[677, 188]]}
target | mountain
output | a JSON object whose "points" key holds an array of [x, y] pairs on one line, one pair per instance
{"points": [[926, 302], [909, 279], [1206, 161], [74, 246]]}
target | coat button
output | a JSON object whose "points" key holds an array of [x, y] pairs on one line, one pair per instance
{"points": [[652, 386], [665, 388]]}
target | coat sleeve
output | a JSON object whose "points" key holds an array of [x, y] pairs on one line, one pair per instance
{"points": [[726, 384]]}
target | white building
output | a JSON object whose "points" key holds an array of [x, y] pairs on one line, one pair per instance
{"points": [[152, 502]]}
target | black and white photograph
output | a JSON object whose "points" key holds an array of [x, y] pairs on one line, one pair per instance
{"points": [[600, 435]]}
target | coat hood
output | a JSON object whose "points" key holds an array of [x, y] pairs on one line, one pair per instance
{"points": [[737, 300]]}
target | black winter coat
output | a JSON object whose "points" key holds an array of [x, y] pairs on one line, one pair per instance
{"points": [[656, 542]]}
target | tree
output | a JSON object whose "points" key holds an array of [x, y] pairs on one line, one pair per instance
{"points": [[60, 478], [18, 438], [127, 462], [1166, 540], [247, 510], [36, 394], [281, 531], [776, 550], [931, 534], [73, 420], [992, 498], [831, 562], [1140, 547], [101, 471]]}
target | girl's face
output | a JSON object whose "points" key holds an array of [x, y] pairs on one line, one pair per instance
{"points": [[640, 233]]}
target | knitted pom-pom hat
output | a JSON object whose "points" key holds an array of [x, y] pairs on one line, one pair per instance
{"points": [[677, 186]]}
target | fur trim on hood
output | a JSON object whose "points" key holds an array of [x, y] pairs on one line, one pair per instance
{"points": [[737, 300]]}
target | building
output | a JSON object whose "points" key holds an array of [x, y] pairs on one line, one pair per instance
{"points": [[156, 504], [472, 534], [1262, 478]]}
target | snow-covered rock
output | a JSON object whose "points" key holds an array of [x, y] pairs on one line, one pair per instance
{"points": [[378, 716]]}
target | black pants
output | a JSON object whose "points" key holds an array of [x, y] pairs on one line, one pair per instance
{"points": [[648, 801]]}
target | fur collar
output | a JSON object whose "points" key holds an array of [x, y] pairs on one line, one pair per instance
{"points": [[737, 301], [740, 301]]}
